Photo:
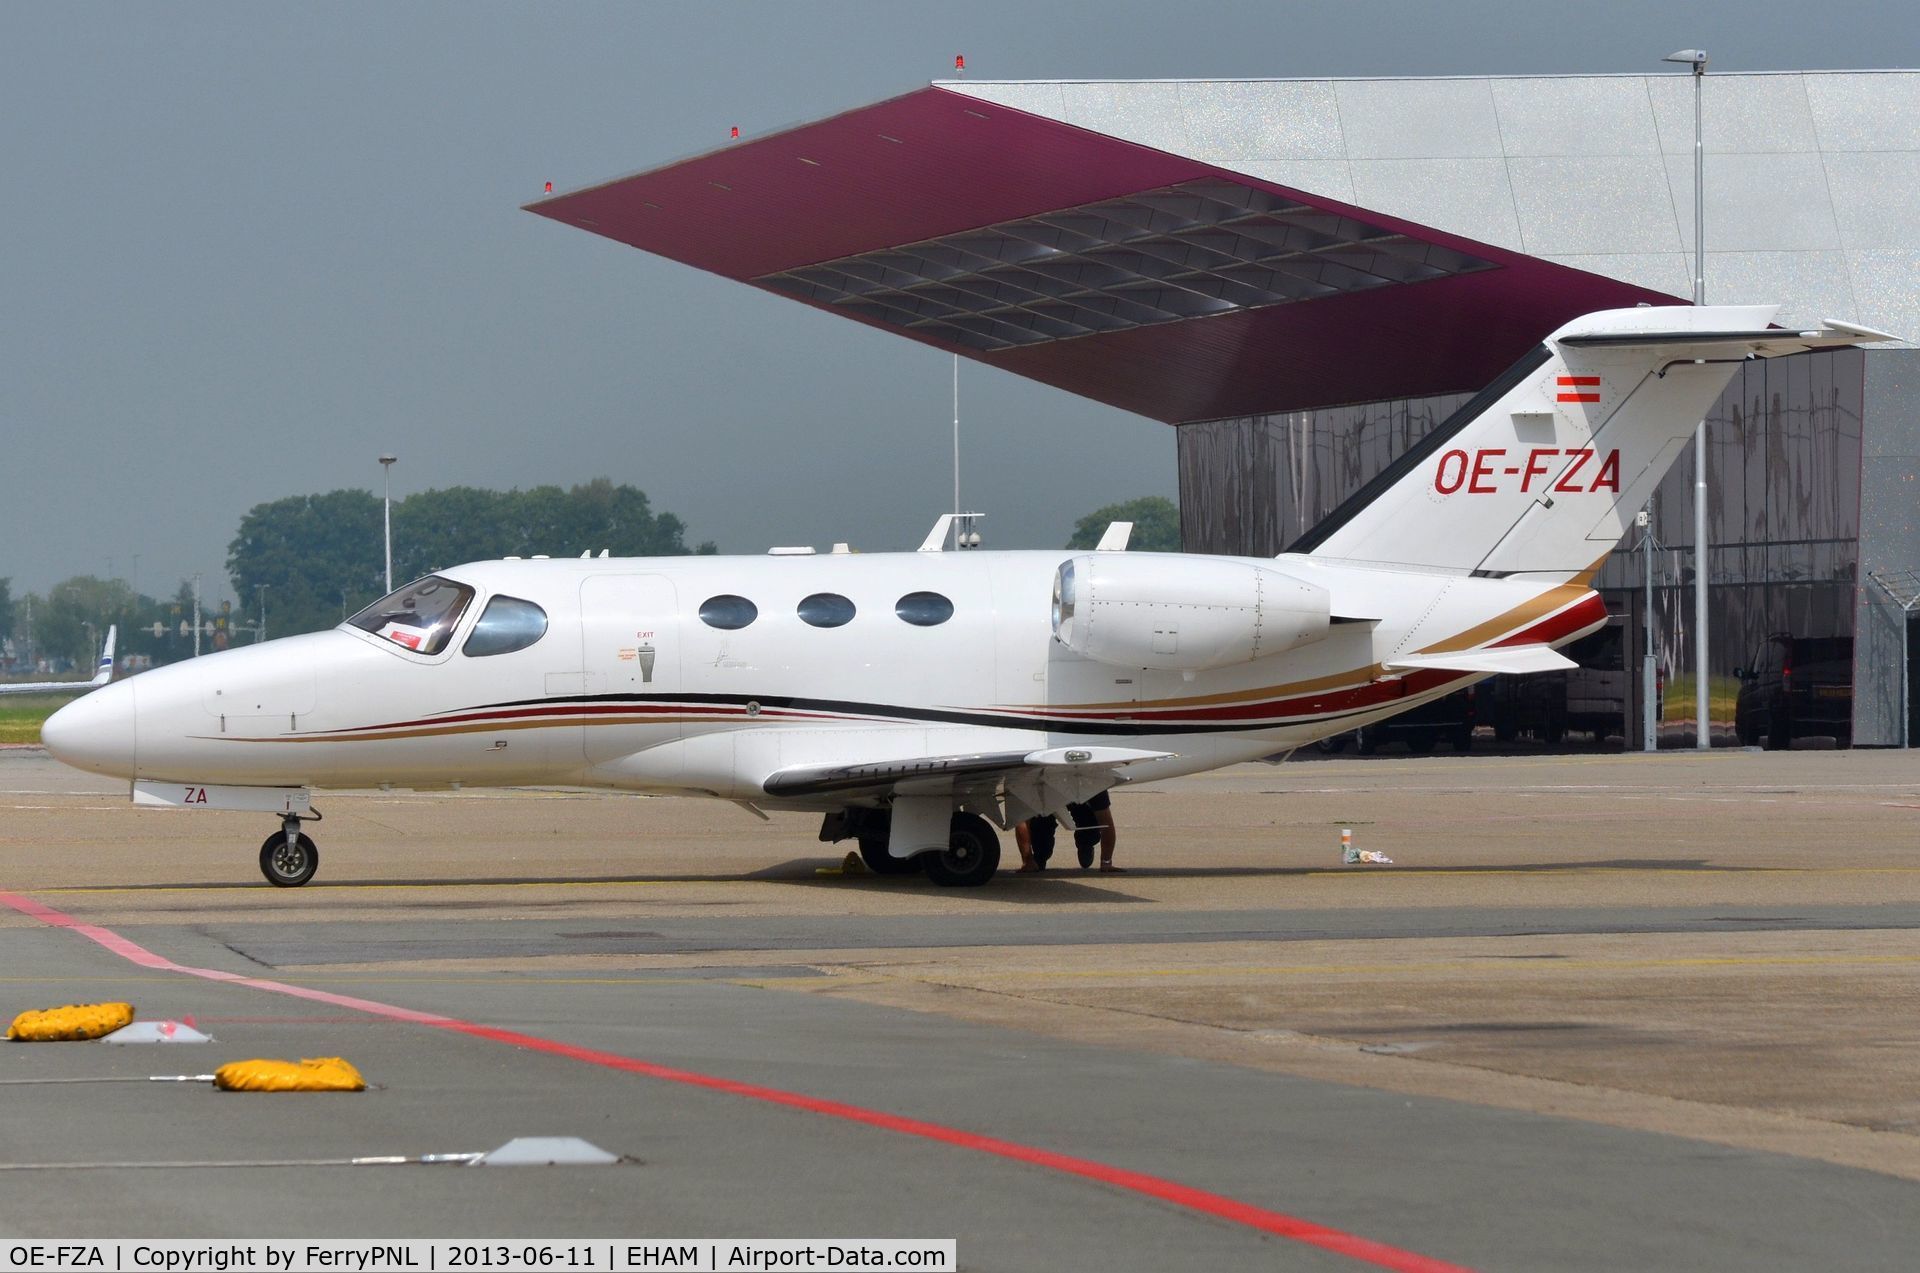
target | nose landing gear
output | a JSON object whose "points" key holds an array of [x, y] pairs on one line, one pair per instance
{"points": [[288, 857]]}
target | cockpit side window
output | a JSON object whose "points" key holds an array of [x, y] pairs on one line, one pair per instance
{"points": [[506, 625], [419, 617]]}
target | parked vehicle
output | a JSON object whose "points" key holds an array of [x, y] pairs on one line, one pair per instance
{"points": [[1796, 687], [1450, 718], [1592, 698], [1597, 689]]}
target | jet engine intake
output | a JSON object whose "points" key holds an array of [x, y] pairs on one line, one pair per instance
{"points": [[1182, 613]]}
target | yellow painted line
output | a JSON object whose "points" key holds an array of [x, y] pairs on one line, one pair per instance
{"points": [[1480, 964]]}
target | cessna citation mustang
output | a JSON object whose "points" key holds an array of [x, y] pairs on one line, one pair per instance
{"points": [[918, 700]]}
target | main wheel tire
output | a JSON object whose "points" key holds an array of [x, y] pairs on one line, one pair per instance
{"points": [[288, 866], [873, 851], [971, 857]]}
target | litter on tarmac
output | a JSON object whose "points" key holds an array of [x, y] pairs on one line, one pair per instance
{"points": [[1351, 856]]}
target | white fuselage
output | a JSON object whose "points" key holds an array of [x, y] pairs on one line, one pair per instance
{"points": [[630, 688]]}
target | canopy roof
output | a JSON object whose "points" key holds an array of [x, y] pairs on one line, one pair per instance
{"points": [[1150, 281]]}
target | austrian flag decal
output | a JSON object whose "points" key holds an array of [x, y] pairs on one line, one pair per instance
{"points": [[1578, 388]]}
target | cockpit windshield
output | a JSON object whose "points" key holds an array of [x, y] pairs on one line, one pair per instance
{"points": [[420, 616]]}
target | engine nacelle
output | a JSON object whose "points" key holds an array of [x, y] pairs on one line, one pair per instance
{"points": [[1182, 613]]}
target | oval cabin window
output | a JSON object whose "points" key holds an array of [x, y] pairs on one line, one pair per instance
{"points": [[826, 610], [924, 609], [728, 612]]}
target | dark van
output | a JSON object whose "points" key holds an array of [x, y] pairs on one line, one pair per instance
{"points": [[1796, 687]]}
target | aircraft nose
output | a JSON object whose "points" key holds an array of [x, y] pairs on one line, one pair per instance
{"points": [[95, 732]]}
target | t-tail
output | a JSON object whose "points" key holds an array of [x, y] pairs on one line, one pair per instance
{"points": [[1541, 473], [103, 672]]}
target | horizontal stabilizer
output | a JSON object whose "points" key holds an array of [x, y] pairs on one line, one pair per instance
{"points": [[1506, 658], [1769, 342]]}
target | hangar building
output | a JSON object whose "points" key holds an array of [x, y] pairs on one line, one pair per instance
{"points": [[1303, 277]]}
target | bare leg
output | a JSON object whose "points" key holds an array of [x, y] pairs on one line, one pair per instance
{"points": [[1108, 838]]}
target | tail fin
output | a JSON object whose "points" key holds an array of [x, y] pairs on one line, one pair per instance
{"points": [[104, 672], [1540, 474]]}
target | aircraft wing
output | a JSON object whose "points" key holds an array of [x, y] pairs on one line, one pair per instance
{"points": [[1506, 658], [1095, 768], [101, 676]]}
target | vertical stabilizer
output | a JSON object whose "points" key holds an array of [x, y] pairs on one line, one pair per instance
{"points": [[1541, 473]]}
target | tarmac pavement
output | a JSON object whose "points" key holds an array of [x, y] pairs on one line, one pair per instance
{"points": [[1603, 1012]]}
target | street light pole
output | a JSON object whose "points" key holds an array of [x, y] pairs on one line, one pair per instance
{"points": [[386, 467], [1703, 727], [261, 634], [196, 615], [956, 452]]}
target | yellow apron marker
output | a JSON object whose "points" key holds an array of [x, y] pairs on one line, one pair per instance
{"points": [[74, 1021], [314, 1074]]}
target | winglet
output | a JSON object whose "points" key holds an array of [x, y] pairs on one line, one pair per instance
{"points": [[104, 672], [1114, 538]]}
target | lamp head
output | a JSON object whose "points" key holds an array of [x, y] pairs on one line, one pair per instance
{"points": [[1697, 58], [389, 459]]}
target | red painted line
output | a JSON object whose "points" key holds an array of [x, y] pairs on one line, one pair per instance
{"points": [[1219, 1206]]}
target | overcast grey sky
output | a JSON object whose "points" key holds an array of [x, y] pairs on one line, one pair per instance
{"points": [[249, 247]]}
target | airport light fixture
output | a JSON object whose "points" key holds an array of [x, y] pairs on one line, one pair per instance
{"points": [[386, 467], [1703, 724]]}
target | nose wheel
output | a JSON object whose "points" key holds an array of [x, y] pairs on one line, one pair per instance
{"points": [[288, 857]]}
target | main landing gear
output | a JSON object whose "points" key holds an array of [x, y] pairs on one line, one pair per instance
{"points": [[288, 857], [970, 859]]}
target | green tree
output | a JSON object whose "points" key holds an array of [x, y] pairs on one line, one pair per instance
{"points": [[311, 550], [1156, 525], [308, 550], [72, 622], [436, 529]]}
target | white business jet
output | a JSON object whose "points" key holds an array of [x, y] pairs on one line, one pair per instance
{"points": [[103, 672], [919, 700]]}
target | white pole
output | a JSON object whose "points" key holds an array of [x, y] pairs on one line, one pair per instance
{"points": [[386, 467], [959, 534], [1703, 730], [1649, 740], [196, 616]]}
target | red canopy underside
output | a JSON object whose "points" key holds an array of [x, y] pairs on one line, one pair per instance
{"points": [[1309, 326]]}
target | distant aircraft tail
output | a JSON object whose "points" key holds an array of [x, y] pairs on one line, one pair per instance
{"points": [[103, 673], [1540, 474]]}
